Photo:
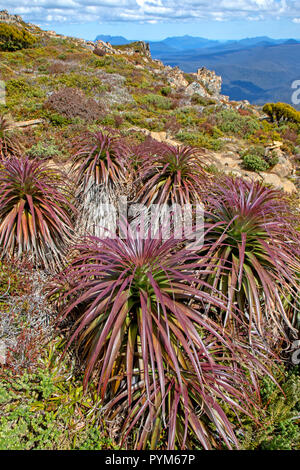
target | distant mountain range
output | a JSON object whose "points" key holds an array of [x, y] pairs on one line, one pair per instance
{"points": [[257, 69]]}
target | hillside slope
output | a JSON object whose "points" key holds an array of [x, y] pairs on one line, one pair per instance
{"points": [[70, 85]]}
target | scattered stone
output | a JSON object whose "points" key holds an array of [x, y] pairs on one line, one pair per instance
{"points": [[284, 168], [278, 182], [32, 122], [196, 88], [3, 352]]}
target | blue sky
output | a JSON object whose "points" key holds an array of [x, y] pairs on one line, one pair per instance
{"points": [[157, 19]]}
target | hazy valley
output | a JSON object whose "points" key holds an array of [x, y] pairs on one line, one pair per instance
{"points": [[258, 69]]}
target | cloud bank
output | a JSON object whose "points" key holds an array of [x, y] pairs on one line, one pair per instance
{"points": [[151, 11]]}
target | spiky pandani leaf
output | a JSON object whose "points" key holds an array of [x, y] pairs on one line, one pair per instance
{"points": [[35, 212], [173, 175], [138, 304], [141, 153], [191, 414], [102, 175], [252, 251], [101, 158], [8, 144]]}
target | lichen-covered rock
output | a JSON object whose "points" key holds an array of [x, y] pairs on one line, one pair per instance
{"points": [[211, 82], [3, 352], [18, 21], [105, 47], [279, 182], [5, 17], [137, 47], [197, 88], [175, 77], [283, 168]]}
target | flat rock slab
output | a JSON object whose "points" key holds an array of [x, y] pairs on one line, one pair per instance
{"points": [[3, 352], [33, 122]]}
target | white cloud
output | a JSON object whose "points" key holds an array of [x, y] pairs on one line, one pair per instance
{"points": [[151, 10]]}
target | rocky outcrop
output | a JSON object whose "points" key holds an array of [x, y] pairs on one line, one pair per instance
{"points": [[175, 77], [207, 84], [17, 20], [197, 88], [138, 47], [104, 47], [210, 81], [5, 17]]}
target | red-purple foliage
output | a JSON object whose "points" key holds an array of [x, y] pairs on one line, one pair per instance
{"points": [[72, 103], [138, 307], [35, 212], [101, 158], [252, 251], [172, 175]]}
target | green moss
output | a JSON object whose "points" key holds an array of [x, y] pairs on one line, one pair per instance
{"points": [[48, 410]]}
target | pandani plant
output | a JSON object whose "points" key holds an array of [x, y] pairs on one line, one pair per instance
{"points": [[173, 175], [171, 182], [137, 305], [102, 174], [36, 212], [141, 153], [251, 251]]}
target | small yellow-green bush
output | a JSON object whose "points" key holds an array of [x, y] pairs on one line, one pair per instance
{"points": [[282, 112], [13, 38]]}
